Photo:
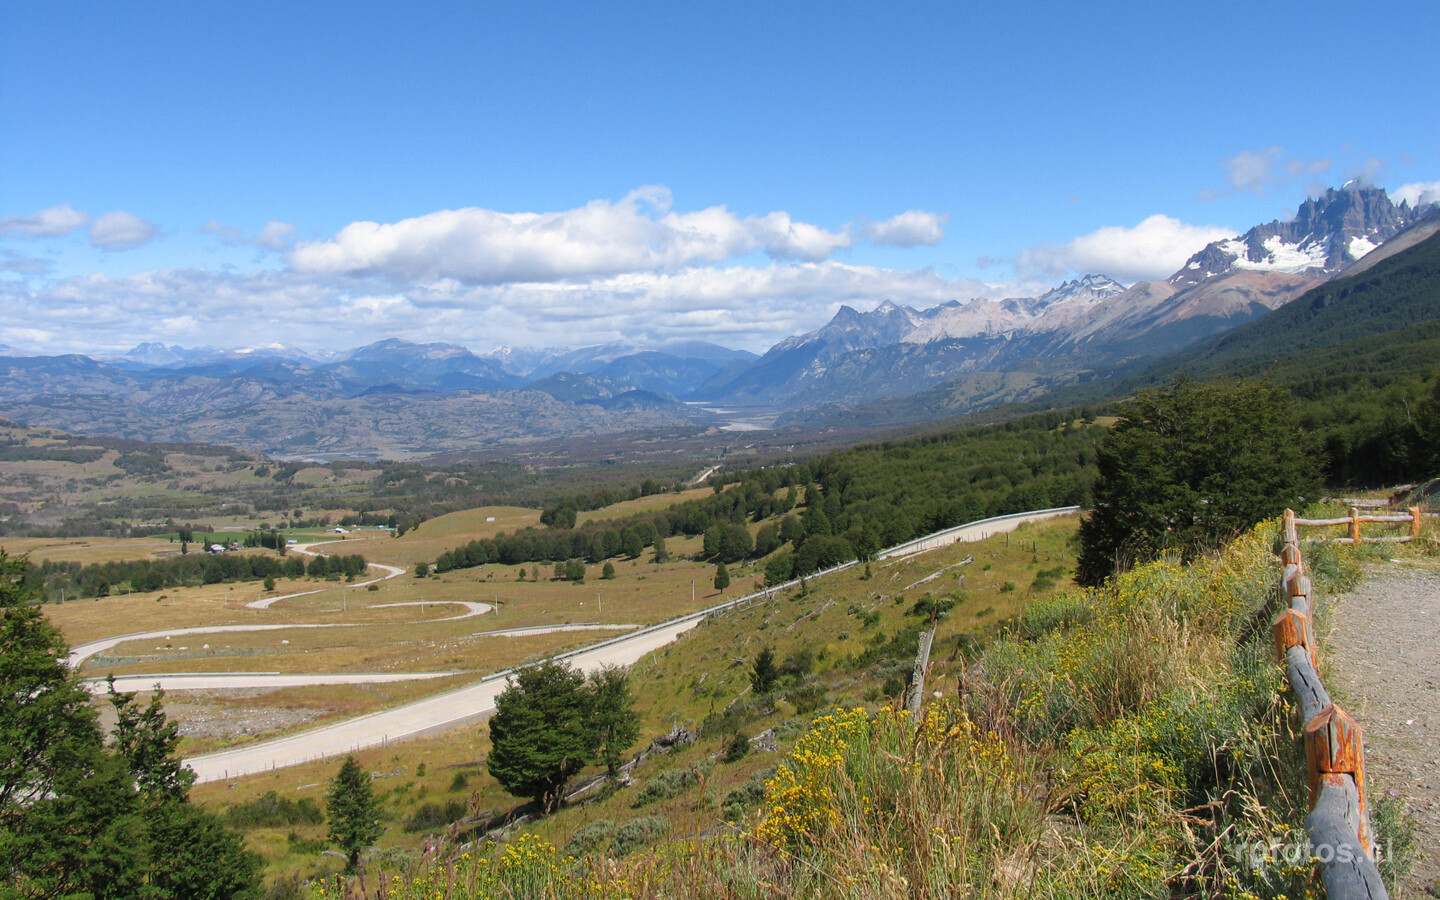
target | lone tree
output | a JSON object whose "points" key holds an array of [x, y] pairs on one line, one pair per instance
{"points": [[722, 577], [353, 811], [764, 673], [549, 725], [1190, 466], [612, 716]]}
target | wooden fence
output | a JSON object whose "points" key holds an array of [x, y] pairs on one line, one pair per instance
{"points": [[1352, 521], [1341, 841]]}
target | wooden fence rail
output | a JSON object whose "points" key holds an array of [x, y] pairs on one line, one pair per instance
{"points": [[1412, 518], [1341, 842]]}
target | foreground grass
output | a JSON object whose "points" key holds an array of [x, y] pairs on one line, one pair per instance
{"points": [[1132, 741]]}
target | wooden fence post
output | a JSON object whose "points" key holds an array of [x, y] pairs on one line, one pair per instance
{"points": [[1333, 746], [1414, 521], [1293, 629], [1354, 524], [916, 694]]}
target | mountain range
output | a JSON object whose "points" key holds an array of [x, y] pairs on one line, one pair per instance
{"points": [[398, 399]]}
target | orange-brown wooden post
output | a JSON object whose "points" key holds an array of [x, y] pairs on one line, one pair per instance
{"points": [[1354, 525], [1293, 629], [1333, 746], [1414, 521]]}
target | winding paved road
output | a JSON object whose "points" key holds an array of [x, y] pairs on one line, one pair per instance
{"points": [[478, 700], [82, 652], [432, 714]]}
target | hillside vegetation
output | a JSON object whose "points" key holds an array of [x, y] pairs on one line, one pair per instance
{"points": [[1121, 741], [852, 502]]}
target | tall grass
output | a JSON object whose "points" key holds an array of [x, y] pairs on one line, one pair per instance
{"points": [[1129, 741]]}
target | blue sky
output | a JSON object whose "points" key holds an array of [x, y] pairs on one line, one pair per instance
{"points": [[547, 174]]}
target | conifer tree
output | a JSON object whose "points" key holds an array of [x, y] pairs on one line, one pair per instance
{"points": [[353, 811]]}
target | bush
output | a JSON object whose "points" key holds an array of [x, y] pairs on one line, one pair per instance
{"points": [[274, 811], [738, 748], [435, 816], [666, 785], [1191, 466], [590, 838], [637, 833], [747, 796]]}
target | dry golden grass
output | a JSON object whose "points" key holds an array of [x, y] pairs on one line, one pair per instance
{"points": [[88, 550], [681, 684], [447, 532], [641, 505]]}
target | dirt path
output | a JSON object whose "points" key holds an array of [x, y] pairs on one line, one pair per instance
{"points": [[1385, 670]]}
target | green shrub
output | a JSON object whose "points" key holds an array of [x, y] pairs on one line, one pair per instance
{"points": [[274, 811], [666, 785], [738, 748], [435, 816], [637, 833], [747, 796], [590, 838]]}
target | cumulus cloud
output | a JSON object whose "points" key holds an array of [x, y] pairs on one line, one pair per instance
{"points": [[633, 269], [638, 233], [53, 221], [1417, 193], [277, 236], [120, 230], [1153, 249], [739, 305], [913, 228]]}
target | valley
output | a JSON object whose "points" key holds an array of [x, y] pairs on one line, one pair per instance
{"points": [[399, 401], [684, 536]]}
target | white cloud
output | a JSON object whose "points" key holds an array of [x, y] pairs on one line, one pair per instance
{"points": [[638, 233], [53, 221], [24, 265], [1417, 193], [909, 229], [1251, 171], [277, 236], [1255, 171], [120, 230], [1153, 249], [231, 237], [753, 307]]}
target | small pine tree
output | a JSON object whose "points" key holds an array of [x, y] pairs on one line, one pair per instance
{"points": [[722, 577], [608, 571], [353, 811], [764, 673]]}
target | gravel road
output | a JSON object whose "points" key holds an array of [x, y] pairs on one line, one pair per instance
{"points": [[1385, 669]]}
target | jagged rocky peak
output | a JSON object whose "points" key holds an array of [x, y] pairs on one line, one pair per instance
{"points": [[851, 329], [1327, 233], [1090, 289]]}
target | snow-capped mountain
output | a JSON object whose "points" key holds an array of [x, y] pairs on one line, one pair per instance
{"points": [[1088, 290], [1327, 234]]}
